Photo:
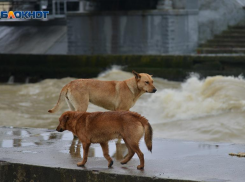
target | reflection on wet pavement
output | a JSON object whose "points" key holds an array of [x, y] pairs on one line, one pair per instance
{"points": [[15, 143], [75, 148], [116, 150], [121, 151], [21, 137]]}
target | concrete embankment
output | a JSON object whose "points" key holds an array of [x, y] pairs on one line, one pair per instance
{"points": [[45, 155], [33, 37], [177, 68]]}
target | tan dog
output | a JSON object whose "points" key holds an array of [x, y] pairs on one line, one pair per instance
{"points": [[111, 95], [100, 127]]}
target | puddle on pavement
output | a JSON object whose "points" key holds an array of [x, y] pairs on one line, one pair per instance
{"points": [[15, 143], [24, 137], [21, 133], [19, 141]]}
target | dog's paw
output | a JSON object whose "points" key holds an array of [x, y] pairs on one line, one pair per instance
{"points": [[140, 167], [111, 163], [122, 162], [80, 164]]}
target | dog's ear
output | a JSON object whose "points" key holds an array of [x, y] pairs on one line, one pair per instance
{"points": [[65, 117], [137, 75]]}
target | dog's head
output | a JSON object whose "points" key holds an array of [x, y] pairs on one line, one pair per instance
{"points": [[64, 118], [144, 82]]}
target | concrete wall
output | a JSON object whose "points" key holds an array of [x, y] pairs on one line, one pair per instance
{"points": [[33, 37], [133, 32], [216, 15], [157, 32]]}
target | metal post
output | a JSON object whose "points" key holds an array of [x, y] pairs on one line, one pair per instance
{"points": [[53, 3], [58, 7], [65, 10]]}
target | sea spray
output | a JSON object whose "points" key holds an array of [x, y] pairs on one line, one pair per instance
{"points": [[195, 98]]}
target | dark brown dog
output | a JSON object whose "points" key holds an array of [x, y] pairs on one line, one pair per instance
{"points": [[100, 127]]}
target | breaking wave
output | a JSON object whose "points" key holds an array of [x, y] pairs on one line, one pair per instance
{"points": [[195, 98]]}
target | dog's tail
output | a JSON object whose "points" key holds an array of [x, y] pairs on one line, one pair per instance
{"points": [[148, 136], [60, 102]]}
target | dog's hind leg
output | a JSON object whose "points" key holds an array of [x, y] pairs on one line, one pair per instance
{"points": [[129, 155], [70, 105], [79, 102], [85, 154], [105, 149], [72, 109], [119, 140], [135, 148]]}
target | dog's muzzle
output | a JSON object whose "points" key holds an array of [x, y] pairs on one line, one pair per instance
{"points": [[59, 130], [154, 90]]}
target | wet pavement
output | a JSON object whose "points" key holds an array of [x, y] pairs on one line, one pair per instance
{"points": [[170, 159]]}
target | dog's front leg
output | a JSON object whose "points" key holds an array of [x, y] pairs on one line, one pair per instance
{"points": [[105, 149], [85, 154]]}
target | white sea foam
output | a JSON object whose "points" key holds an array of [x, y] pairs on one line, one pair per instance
{"points": [[111, 72], [195, 98]]}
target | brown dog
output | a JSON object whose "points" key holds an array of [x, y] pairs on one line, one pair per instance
{"points": [[111, 95], [100, 127]]}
